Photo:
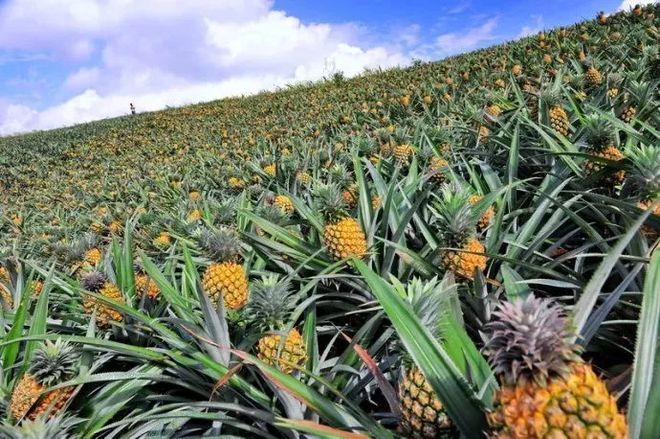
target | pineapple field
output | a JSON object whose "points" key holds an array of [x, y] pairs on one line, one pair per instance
{"points": [[463, 248]]}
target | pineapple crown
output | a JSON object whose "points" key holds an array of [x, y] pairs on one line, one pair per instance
{"points": [[645, 175], [221, 245], [94, 281], [54, 362], [455, 217], [271, 301], [551, 97], [598, 132], [428, 300], [530, 339], [271, 213], [329, 201], [43, 427]]}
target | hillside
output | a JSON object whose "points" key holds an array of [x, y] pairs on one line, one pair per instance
{"points": [[408, 252]]}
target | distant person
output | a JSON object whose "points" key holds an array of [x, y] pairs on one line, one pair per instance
{"points": [[132, 108]]}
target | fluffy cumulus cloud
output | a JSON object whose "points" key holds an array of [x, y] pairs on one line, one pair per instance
{"points": [[168, 52], [627, 5]]}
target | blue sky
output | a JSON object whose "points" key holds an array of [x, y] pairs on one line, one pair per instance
{"points": [[67, 61]]}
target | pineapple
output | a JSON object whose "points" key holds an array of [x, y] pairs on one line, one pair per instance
{"points": [[546, 388], [53, 363], [644, 180], [422, 413], [146, 286], [303, 177], [163, 240], [628, 113], [6, 298], [342, 234], [592, 76], [488, 214], [271, 303], [97, 282], [436, 167], [350, 196], [225, 279], [600, 140], [557, 117], [402, 153], [284, 203], [270, 169], [463, 253]]}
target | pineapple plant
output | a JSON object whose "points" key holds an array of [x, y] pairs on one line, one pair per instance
{"points": [[644, 181], [225, 278], [98, 283], [53, 363], [600, 139], [271, 303], [546, 388], [422, 413], [463, 254], [145, 286], [342, 235]]}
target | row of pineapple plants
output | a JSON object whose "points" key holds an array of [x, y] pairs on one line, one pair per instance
{"points": [[380, 267]]}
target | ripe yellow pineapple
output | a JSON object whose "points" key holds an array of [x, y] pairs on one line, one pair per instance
{"points": [[225, 278], [600, 136], [98, 283], [403, 152], [235, 183], [271, 303], [546, 389], [343, 236], [592, 77], [145, 286], [559, 120], [284, 203], [163, 240], [270, 169], [53, 363], [422, 413], [463, 254], [92, 258], [516, 70], [488, 214]]}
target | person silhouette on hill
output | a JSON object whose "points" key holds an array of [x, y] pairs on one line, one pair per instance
{"points": [[132, 108]]}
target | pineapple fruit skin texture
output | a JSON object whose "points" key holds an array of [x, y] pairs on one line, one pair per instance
{"points": [[344, 239], [559, 120], [144, 285], [226, 280], [575, 406], [610, 153], [435, 166], [293, 351], [463, 264], [422, 414], [487, 216], [27, 393], [104, 313], [284, 203]]}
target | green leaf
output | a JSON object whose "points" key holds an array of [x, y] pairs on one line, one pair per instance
{"points": [[647, 355], [450, 385]]}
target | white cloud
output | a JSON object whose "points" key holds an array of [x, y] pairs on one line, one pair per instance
{"points": [[627, 5], [532, 29], [460, 41], [157, 53]]}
